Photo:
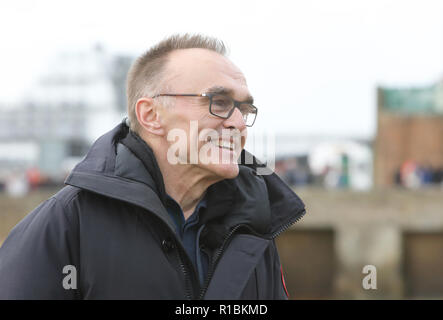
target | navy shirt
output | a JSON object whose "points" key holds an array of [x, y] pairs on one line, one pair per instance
{"points": [[189, 233]]}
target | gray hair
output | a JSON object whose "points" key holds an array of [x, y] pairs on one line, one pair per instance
{"points": [[146, 73]]}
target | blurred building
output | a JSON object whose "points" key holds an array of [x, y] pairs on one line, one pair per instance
{"points": [[409, 141], [79, 97]]}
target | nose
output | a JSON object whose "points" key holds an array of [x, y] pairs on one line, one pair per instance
{"points": [[235, 121]]}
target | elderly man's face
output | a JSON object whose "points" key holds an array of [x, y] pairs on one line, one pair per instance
{"points": [[196, 71]]}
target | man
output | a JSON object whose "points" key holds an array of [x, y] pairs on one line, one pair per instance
{"points": [[148, 216]]}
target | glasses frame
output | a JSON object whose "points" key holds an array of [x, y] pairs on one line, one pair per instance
{"points": [[236, 103]]}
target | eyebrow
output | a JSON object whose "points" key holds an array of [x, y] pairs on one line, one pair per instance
{"points": [[228, 92]]}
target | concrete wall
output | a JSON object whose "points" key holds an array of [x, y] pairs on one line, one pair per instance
{"points": [[367, 229]]}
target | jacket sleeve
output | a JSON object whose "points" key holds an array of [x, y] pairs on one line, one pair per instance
{"points": [[35, 252]]}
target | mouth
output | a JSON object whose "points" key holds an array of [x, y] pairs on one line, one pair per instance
{"points": [[223, 144]]}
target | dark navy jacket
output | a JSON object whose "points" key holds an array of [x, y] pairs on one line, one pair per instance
{"points": [[111, 224]]}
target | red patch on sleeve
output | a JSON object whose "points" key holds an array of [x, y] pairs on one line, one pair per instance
{"points": [[283, 281]]}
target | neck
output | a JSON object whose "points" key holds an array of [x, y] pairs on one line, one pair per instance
{"points": [[185, 183], [186, 188]]}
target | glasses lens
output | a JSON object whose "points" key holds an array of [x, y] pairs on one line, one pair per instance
{"points": [[221, 105], [249, 113]]}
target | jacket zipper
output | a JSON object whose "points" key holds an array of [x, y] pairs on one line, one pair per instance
{"points": [[288, 224], [215, 259], [184, 266], [188, 282], [181, 256], [219, 252]]}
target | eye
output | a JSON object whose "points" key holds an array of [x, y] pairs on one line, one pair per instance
{"points": [[221, 102]]}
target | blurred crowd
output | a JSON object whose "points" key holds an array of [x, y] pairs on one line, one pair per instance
{"points": [[19, 182], [414, 175]]}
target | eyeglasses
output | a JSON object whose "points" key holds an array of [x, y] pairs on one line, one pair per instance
{"points": [[223, 106]]}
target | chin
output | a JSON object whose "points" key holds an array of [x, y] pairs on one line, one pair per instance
{"points": [[221, 162], [225, 171]]}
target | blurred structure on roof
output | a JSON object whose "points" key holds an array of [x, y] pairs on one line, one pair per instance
{"points": [[79, 97]]}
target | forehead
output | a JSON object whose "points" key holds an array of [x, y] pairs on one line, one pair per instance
{"points": [[194, 70]]}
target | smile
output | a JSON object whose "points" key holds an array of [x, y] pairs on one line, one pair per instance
{"points": [[224, 144]]}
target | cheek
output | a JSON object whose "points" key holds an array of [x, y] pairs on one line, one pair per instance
{"points": [[209, 123], [207, 120], [174, 120], [195, 118], [244, 137]]}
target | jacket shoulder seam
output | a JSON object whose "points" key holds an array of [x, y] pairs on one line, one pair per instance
{"points": [[65, 202]]}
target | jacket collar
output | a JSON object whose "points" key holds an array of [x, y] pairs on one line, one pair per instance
{"points": [[144, 153], [121, 165]]}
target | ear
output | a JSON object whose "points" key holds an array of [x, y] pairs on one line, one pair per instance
{"points": [[149, 117]]}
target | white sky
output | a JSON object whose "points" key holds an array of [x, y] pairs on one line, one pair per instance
{"points": [[312, 66]]}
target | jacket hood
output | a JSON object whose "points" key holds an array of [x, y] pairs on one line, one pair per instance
{"points": [[122, 166]]}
